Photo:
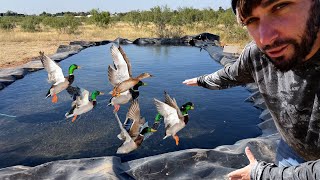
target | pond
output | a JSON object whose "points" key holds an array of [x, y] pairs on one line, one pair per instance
{"points": [[36, 131]]}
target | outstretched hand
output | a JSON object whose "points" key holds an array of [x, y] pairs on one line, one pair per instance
{"points": [[244, 173], [190, 82]]}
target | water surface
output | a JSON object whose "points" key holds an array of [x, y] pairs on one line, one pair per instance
{"points": [[40, 133]]}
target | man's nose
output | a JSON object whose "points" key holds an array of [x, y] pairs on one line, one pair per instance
{"points": [[267, 31]]}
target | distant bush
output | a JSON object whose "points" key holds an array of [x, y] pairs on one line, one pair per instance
{"points": [[31, 24], [101, 19], [161, 17], [66, 24], [167, 22], [227, 18], [6, 24], [237, 34]]}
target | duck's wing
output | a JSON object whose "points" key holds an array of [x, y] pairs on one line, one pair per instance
{"points": [[83, 99], [118, 72], [74, 91], [173, 103], [134, 114], [55, 74], [169, 113], [134, 111], [125, 57], [124, 133]]}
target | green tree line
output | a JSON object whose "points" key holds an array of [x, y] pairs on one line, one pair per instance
{"points": [[168, 22]]}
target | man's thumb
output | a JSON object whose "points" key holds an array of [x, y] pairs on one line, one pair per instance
{"points": [[250, 156]]}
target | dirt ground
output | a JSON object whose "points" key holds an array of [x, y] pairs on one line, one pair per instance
{"points": [[18, 53], [18, 47]]}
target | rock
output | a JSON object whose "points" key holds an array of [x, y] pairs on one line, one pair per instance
{"points": [[63, 55], [82, 43], [17, 73], [7, 80], [144, 41], [2, 86], [67, 48], [121, 41], [99, 43], [207, 37], [33, 65]]}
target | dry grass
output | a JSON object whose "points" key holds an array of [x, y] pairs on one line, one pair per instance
{"points": [[18, 47]]}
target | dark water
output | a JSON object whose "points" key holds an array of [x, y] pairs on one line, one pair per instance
{"points": [[40, 133]]}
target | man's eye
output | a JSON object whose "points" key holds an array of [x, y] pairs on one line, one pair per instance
{"points": [[279, 6], [250, 21]]}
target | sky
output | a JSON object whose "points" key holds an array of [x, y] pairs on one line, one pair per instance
{"points": [[54, 6]]}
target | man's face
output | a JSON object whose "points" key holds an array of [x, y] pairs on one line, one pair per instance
{"points": [[285, 30]]}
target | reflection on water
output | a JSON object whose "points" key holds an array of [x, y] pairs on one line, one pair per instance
{"points": [[36, 130]]}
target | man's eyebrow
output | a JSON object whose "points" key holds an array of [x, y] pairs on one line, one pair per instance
{"points": [[268, 3]]}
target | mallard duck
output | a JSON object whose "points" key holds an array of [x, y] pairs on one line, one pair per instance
{"points": [[174, 118], [55, 76], [81, 104], [120, 75], [126, 96], [133, 130]]}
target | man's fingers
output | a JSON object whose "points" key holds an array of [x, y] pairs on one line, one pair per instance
{"points": [[190, 82], [236, 173], [250, 156]]}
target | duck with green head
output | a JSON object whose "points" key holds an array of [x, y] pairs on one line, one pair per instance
{"points": [[55, 76], [133, 130], [120, 73], [82, 104], [175, 119]]}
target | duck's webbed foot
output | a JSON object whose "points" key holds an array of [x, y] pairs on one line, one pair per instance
{"points": [[116, 108], [176, 138], [74, 118], [54, 98]]}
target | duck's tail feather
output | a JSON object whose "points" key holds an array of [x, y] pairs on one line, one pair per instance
{"points": [[166, 136], [48, 95], [68, 115]]}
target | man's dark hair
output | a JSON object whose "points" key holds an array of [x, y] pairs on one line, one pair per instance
{"points": [[244, 8]]}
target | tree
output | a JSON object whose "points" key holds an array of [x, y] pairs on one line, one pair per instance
{"points": [[101, 19]]}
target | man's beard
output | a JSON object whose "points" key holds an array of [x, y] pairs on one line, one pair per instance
{"points": [[302, 49]]}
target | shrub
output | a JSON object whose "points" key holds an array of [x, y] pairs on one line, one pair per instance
{"points": [[65, 24], [30, 24], [6, 24], [101, 19]]}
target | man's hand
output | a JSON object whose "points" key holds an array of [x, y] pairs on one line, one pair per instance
{"points": [[190, 82], [244, 173]]}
